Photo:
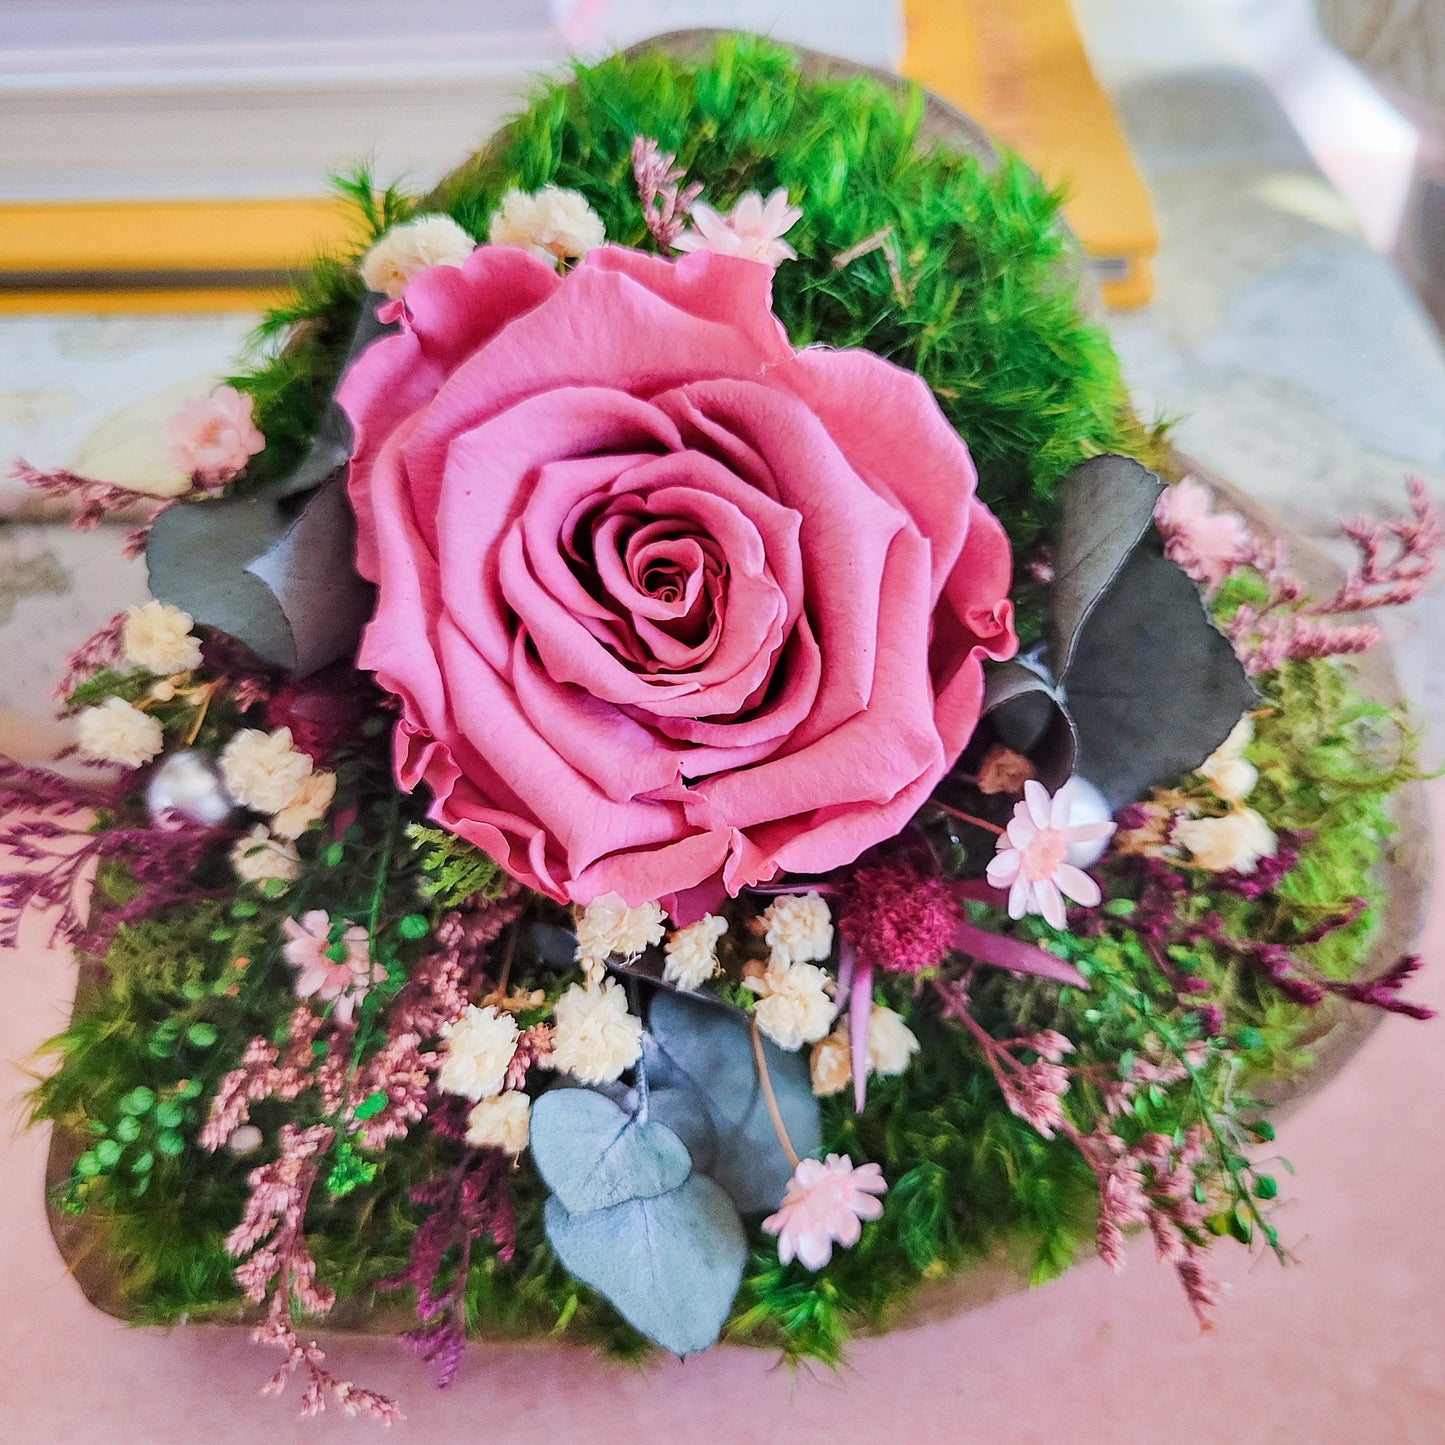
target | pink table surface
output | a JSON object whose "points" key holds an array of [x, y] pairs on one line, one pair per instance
{"points": [[1349, 1345]]}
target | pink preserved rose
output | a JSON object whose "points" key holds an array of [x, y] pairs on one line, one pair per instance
{"points": [[665, 602]]}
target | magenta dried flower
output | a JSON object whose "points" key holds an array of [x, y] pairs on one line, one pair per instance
{"points": [[898, 918]]}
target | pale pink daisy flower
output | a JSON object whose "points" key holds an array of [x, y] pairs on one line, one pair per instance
{"points": [[825, 1204], [1207, 544], [1032, 858], [212, 438], [318, 975], [753, 229]]}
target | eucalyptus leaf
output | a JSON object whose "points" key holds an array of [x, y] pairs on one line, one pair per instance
{"points": [[593, 1154], [670, 1264], [1154, 687], [701, 1058], [1136, 682]]}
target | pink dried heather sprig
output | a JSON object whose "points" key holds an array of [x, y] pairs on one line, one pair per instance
{"points": [[1152, 1182], [58, 858], [472, 1201], [534, 1046], [1396, 559], [272, 1232], [665, 208], [401, 1071], [264, 1073], [101, 649]]}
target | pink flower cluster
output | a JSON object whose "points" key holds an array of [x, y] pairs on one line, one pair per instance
{"points": [[665, 207]]}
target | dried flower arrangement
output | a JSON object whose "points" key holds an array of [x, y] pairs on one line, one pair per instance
{"points": [[685, 777]]}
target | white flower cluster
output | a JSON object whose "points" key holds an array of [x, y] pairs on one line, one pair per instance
{"points": [[594, 1038], [798, 928], [795, 1004], [159, 638], [431, 240], [117, 732], [1237, 841], [500, 1122], [258, 858], [692, 952], [608, 928], [553, 224], [267, 772], [479, 1046], [891, 1044]]}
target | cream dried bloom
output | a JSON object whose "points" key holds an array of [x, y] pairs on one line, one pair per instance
{"points": [[793, 1006], [1233, 843], [552, 223], [308, 806], [692, 952], [1228, 772], [500, 1122], [831, 1064], [263, 770], [258, 858], [594, 1038], [891, 1043], [607, 926], [158, 638], [479, 1046], [116, 732], [798, 928], [431, 240]]}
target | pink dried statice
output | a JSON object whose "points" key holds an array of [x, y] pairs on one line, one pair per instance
{"points": [[445, 980], [92, 501], [1152, 1182], [665, 207], [400, 1074], [825, 1204], [534, 1047]]}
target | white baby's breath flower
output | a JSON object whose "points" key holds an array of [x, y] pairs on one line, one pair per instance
{"points": [[258, 858], [431, 240], [159, 638], [479, 1046], [692, 952], [595, 1037], [891, 1043], [1235, 842], [793, 1006], [831, 1064], [798, 928], [116, 732], [607, 926], [500, 1122], [1228, 772], [308, 806], [263, 770], [552, 223]]}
